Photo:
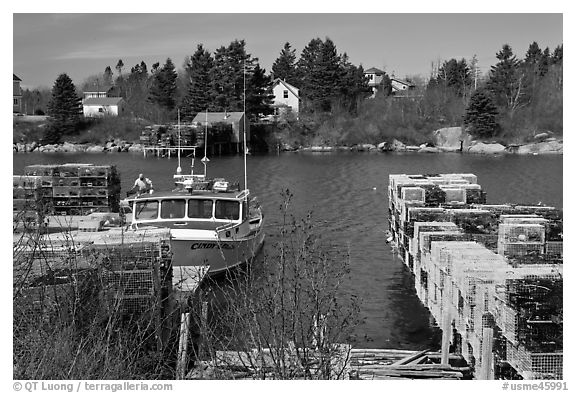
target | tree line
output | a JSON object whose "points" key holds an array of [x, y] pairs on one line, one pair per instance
{"points": [[514, 96], [227, 80]]}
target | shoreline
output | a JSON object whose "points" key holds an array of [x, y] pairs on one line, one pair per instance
{"points": [[549, 146]]}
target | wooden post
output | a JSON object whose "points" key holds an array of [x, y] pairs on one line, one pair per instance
{"points": [[181, 366], [486, 356], [446, 334]]}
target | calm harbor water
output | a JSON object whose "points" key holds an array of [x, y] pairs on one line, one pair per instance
{"points": [[347, 194]]}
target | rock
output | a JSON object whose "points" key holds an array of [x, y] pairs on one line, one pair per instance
{"points": [[68, 147], [397, 146], [552, 147], [449, 149], [318, 148], [110, 145], [451, 137], [48, 148], [95, 149], [135, 148], [383, 146], [541, 137], [20, 147], [427, 149], [32, 146], [114, 149], [412, 148], [487, 148]]}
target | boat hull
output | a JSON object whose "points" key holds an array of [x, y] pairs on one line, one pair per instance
{"points": [[219, 255]]}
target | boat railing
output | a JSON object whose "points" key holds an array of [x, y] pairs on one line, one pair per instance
{"points": [[244, 194], [227, 226]]}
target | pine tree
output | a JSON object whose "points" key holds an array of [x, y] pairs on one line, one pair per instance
{"points": [[284, 66], [455, 75], [163, 87], [136, 89], [259, 95], [306, 69], [533, 54], [64, 110], [353, 85], [119, 67], [544, 62], [481, 115], [199, 69], [505, 82], [108, 76], [557, 55]]}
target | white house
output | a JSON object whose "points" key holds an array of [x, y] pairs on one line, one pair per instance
{"points": [[286, 97], [97, 91], [374, 76], [399, 85], [103, 106]]}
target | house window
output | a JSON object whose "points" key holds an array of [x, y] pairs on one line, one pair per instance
{"points": [[370, 76], [101, 110], [15, 101], [285, 93]]}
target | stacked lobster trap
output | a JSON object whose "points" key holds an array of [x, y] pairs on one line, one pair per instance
{"points": [[483, 266], [66, 189]]}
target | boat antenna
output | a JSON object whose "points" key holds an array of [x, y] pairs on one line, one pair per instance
{"points": [[179, 169], [205, 159], [244, 136]]}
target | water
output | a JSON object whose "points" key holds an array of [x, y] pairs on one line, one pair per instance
{"points": [[347, 194]]}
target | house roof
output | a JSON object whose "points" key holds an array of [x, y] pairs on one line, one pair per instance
{"points": [[374, 70], [15, 78], [102, 101], [218, 117], [402, 82], [293, 90]]}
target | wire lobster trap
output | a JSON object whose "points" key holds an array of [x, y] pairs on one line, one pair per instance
{"points": [[534, 365]]}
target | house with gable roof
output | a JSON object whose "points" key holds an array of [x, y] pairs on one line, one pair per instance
{"points": [[103, 106], [17, 93], [399, 85], [286, 97], [235, 119], [374, 76], [99, 102]]}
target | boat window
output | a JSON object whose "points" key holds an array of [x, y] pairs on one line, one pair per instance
{"points": [[200, 208], [227, 210], [146, 210], [173, 208]]}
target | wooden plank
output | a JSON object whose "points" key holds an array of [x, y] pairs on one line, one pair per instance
{"points": [[486, 355], [446, 336], [183, 346], [411, 358]]}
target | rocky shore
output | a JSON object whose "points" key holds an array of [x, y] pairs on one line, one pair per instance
{"points": [[452, 139]]}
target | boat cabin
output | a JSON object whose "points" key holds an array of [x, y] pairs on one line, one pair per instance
{"points": [[200, 210]]}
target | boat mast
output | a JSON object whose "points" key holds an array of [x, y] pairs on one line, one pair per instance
{"points": [[205, 159], [244, 148], [179, 169]]}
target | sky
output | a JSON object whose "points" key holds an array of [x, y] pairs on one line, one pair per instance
{"points": [[403, 44]]}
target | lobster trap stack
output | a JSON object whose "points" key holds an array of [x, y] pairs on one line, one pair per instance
{"points": [[74, 189], [135, 277], [478, 266]]}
